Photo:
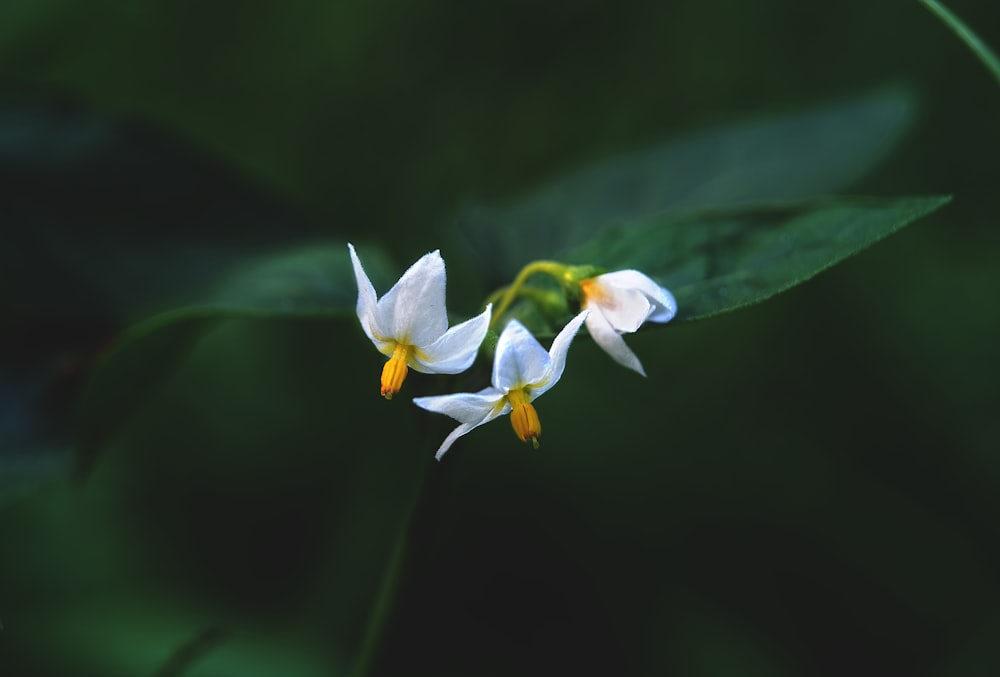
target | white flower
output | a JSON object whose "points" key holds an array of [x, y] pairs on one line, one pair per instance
{"points": [[410, 324], [522, 371], [621, 301]]}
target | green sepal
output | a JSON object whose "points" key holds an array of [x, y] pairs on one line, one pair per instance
{"points": [[574, 275], [489, 345]]}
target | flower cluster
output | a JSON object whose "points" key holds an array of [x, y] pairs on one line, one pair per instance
{"points": [[409, 325]]}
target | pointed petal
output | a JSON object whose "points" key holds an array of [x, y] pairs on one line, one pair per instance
{"points": [[456, 350], [413, 311], [366, 297], [452, 436], [664, 304], [464, 407], [520, 359], [472, 409], [611, 341], [557, 354]]}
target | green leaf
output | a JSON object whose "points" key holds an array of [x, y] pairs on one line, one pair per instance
{"points": [[786, 157], [315, 281], [722, 260]]}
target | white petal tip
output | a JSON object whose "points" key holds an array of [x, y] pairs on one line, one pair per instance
{"points": [[666, 308]]}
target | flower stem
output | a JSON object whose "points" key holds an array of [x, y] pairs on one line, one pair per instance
{"points": [[384, 602], [966, 35], [495, 296], [553, 268]]}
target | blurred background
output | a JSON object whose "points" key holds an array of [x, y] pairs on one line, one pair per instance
{"points": [[808, 486]]}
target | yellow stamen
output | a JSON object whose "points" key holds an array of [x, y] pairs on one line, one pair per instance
{"points": [[394, 371], [523, 417]]}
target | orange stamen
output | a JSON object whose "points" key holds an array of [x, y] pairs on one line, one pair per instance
{"points": [[394, 371], [523, 417]]}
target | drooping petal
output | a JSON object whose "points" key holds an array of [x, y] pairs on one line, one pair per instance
{"points": [[462, 429], [612, 342], [464, 407], [626, 309], [456, 350], [471, 409], [665, 306], [413, 311], [520, 359], [366, 297], [557, 355]]}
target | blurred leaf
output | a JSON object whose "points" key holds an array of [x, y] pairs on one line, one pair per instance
{"points": [[260, 491], [103, 221], [103, 615], [316, 281], [32, 449], [710, 644], [107, 220], [781, 158], [42, 368], [721, 260]]}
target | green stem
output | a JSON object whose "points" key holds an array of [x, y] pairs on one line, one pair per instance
{"points": [[495, 296], [553, 268], [541, 297], [390, 581], [966, 35]]}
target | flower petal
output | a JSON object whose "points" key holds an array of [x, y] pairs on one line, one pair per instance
{"points": [[472, 409], [520, 359], [413, 311], [625, 308], [464, 407], [611, 341], [366, 297], [456, 350], [665, 309], [664, 304], [557, 355], [452, 436]]}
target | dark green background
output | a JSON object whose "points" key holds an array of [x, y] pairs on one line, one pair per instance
{"points": [[808, 486]]}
